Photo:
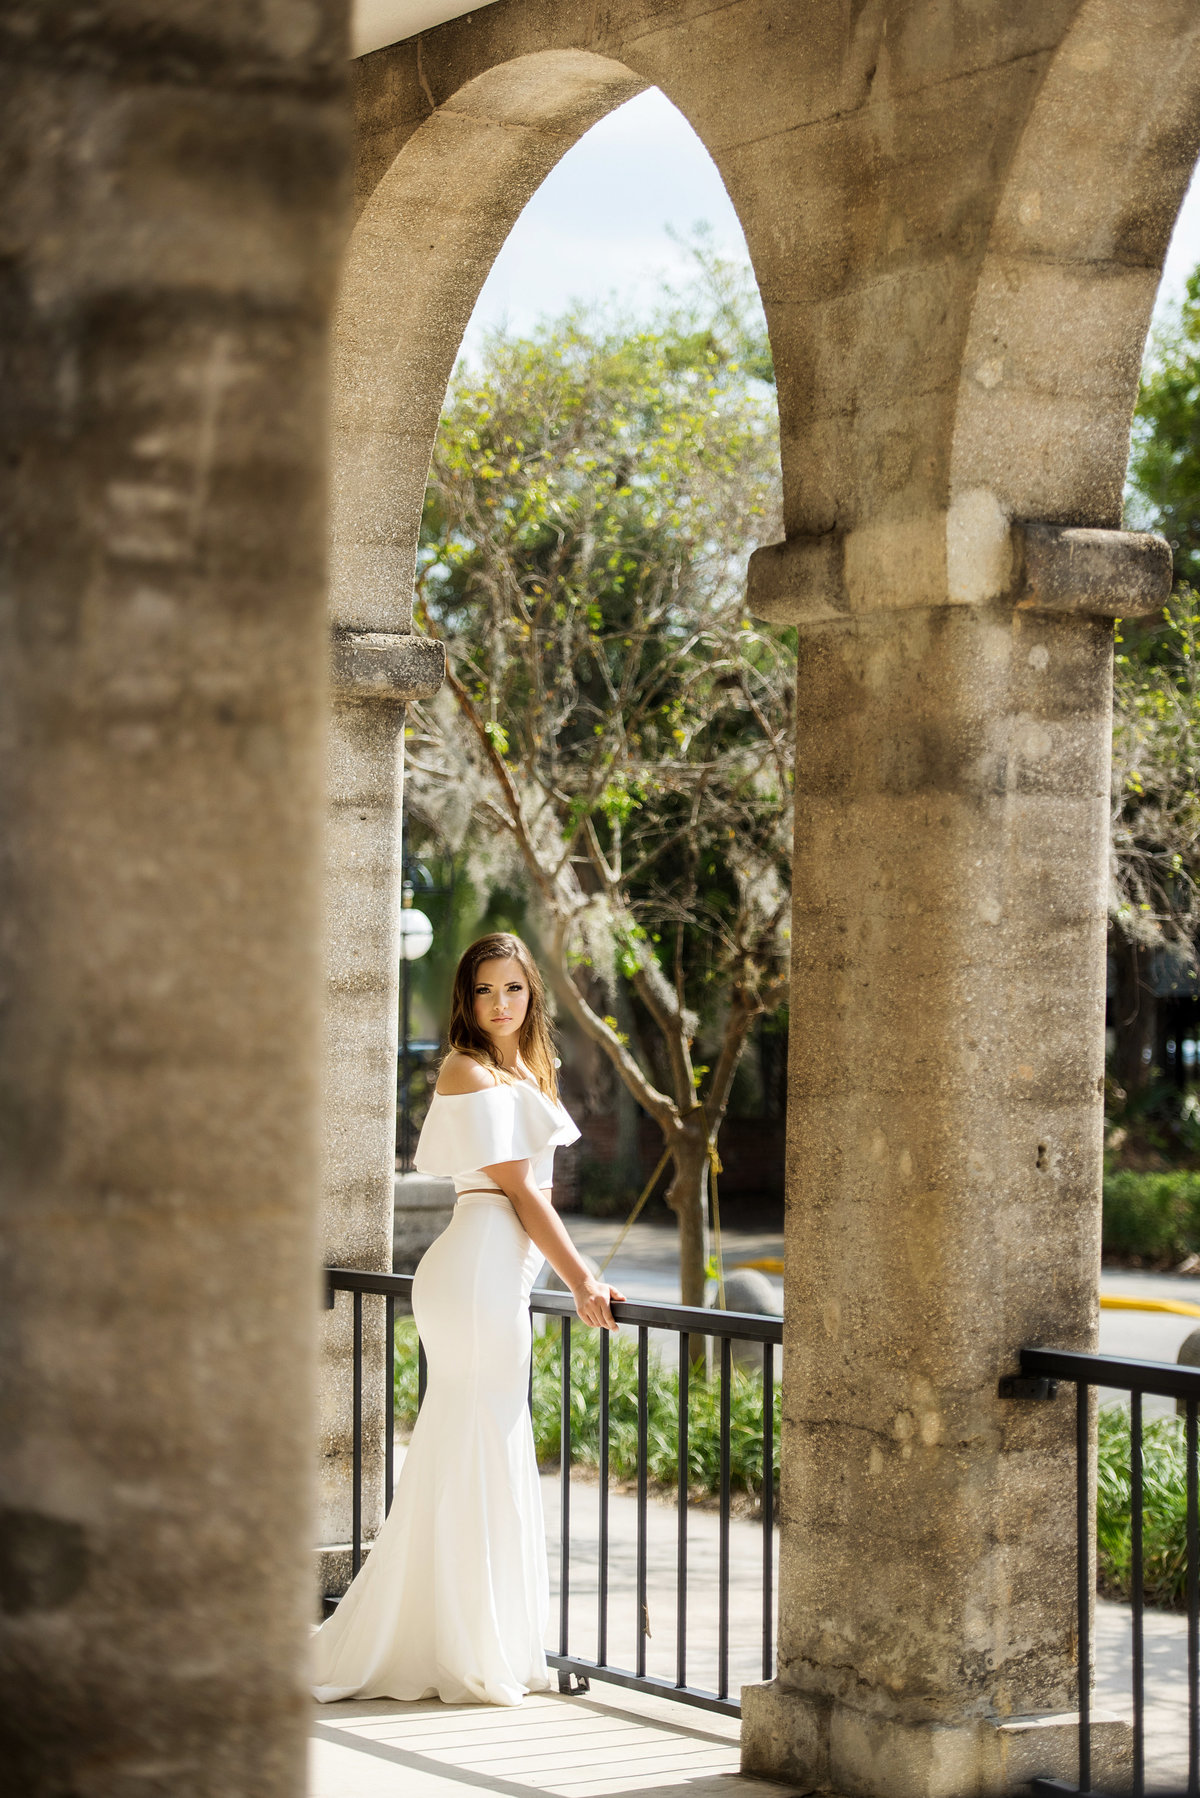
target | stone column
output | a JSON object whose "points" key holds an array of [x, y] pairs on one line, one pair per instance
{"points": [[173, 215], [374, 673], [944, 1164]]}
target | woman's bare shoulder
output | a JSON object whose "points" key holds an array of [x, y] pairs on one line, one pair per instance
{"points": [[463, 1074]]}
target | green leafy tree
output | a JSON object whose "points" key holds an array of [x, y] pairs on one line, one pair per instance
{"points": [[594, 494], [1156, 710], [1164, 463], [1155, 890]]}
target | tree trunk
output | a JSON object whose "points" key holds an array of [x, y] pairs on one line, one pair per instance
{"points": [[1134, 1012], [687, 1197]]}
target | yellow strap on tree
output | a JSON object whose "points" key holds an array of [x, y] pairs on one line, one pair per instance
{"points": [[715, 1167], [632, 1218], [714, 1162]]}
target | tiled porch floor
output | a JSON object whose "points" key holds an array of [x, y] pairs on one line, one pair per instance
{"points": [[590, 1746]]}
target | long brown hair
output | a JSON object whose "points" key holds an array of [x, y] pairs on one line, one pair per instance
{"points": [[534, 1041]]}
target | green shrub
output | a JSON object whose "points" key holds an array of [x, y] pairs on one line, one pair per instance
{"points": [[662, 1400], [1156, 1216], [1164, 1509]]}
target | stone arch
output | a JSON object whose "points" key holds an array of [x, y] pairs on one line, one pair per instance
{"points": [[425, 240], [451, 146], [1062, 305]]}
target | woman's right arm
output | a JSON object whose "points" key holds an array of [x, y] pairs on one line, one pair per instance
{"points": [[540, 1221], [593, 1297]]}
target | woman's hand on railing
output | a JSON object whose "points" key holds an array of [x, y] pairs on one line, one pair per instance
{"points": [[594, 1300]]}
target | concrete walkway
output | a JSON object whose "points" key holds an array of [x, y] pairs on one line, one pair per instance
{"points": [[611, 1741], [604, 1742], [1166, 1686]]}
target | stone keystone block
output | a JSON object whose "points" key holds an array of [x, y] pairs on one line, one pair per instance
{"points": [[381, 665], [1102, 574], [798, 581]]}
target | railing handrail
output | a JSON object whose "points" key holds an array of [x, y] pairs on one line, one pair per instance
{"points": [[1042, 1368], [1165, 1379], [697, 1320], [686, 1322]]}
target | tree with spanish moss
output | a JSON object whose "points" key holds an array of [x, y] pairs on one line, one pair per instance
{"points": [[611, 707]]}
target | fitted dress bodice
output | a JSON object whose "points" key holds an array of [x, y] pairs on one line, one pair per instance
{"points": [[512, 1121]]}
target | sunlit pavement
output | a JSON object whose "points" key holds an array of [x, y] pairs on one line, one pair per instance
{"points": [[588, 1746]]}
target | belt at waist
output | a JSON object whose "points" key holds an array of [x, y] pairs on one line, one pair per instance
{"points": [[488, 1194], [481, 1195]]}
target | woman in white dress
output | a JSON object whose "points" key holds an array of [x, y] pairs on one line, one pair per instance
{"points": [[453, 1599]]}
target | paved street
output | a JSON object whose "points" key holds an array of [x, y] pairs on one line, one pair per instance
{"points": [[647, 1268]]}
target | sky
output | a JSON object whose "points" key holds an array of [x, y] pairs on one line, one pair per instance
{"points": [[598, 225]]}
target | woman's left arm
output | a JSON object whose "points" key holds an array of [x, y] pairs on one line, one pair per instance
{"points": [[542, 1224]]}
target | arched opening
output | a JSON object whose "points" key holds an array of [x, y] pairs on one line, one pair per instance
{"points": [[923, 350], [425, 240], [419, 257]]}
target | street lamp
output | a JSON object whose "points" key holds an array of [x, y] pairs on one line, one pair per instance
{"points": [[416, 939]]}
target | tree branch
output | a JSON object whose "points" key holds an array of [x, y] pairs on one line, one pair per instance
{"points": [[742, 1013], [660, 1107]]}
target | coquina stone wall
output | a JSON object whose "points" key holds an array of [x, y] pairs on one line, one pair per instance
{"points": [[173, 214], [957, 216]]}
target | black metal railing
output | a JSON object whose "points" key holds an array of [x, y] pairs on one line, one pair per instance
{"points": [[726, 1327], [1041, 1371]]}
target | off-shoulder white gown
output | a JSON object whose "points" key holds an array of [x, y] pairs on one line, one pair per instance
{"points": [[453, 1599]]}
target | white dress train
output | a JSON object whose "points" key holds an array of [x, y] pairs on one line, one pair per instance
{"points": [[452, 1601]]}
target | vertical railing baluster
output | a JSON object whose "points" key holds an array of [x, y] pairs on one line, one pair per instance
{"points": [[723, 1576], [1083, 1582], [389, 1421], [602, 1567], [1193, 1605], [564, 1486], [681, 1548], [356, 1467], [642, 1381], [768, 1506], [667, 1318], [1139, 1646]]}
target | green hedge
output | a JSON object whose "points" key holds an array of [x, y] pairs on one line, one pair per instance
{"points": [[1156, 1216], [704, 1438], [1164, 1509]]}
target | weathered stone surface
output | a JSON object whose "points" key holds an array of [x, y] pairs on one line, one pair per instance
{"points": [[362, 903], [968, 555], [798, 581], [786, 1738], [1107, 574], [424, 1204], [957, 219], [381, 666], [171, 212]]}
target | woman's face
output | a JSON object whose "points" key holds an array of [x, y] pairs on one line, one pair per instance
{"points": [[501, 997]]}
